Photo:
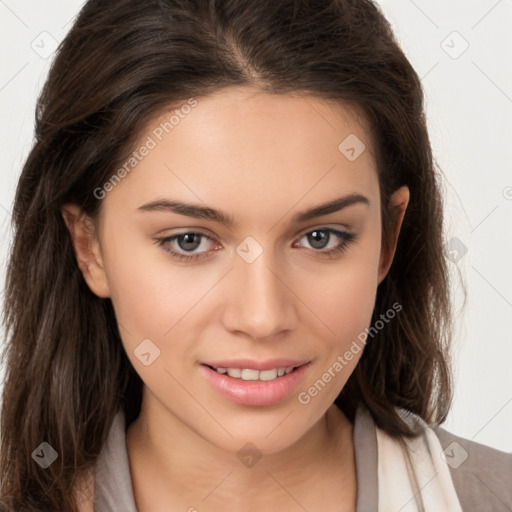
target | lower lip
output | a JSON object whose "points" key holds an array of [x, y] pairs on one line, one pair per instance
{"points": [[255, 392]]}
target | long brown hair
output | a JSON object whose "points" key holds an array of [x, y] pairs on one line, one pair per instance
{"points": [[66, 372]]}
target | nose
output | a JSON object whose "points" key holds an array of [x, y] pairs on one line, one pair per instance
{"points": [[261, 303]]}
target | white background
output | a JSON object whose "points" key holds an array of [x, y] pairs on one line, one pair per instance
{"points": [[469, 106]]}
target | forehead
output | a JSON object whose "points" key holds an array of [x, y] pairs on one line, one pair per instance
{"points": [[237, 114], [247, 148]]}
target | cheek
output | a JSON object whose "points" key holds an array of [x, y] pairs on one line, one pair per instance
{"points": [[149, 294], [153, 301], [343, 295]]}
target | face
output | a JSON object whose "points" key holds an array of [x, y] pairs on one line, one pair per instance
{"points": [[274, 289]]}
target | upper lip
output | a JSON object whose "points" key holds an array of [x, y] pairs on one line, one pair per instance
{"points": [[252, 364]]}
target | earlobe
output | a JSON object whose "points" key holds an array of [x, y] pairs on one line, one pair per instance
{"points": [[397, 207], [87, 249]]}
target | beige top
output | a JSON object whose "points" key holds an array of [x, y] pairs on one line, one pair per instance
{"points": [[483, 482]]}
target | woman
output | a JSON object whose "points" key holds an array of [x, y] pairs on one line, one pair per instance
{"points": [[262, 367]]}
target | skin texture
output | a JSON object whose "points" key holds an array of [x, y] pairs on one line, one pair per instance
{"points": [[260, 158]]}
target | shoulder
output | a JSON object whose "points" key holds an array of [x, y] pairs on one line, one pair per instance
{"points": [[482, 475]]}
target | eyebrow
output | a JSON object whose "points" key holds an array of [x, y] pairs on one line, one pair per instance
{"points": [[205, 212]]}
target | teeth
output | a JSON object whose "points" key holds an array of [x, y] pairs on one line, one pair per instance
{"points": [[268, 374], [249, 374]]}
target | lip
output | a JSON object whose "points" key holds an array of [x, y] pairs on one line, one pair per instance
{"points": [[252, 364], [252, 392]]}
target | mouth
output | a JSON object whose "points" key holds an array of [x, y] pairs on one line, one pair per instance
{"points": [[252, 386]]}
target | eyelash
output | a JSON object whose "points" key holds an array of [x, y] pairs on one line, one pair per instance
{"points": [[346, 239]]}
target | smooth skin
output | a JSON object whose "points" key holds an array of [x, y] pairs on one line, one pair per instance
{"points": [[261, 159]]}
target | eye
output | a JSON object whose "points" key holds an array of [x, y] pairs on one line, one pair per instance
{"points": [[190, 241], [187, 242], [318, 239]]}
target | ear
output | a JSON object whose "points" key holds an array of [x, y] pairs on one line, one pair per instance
{"points": [[87, 249], [397, 206]]}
